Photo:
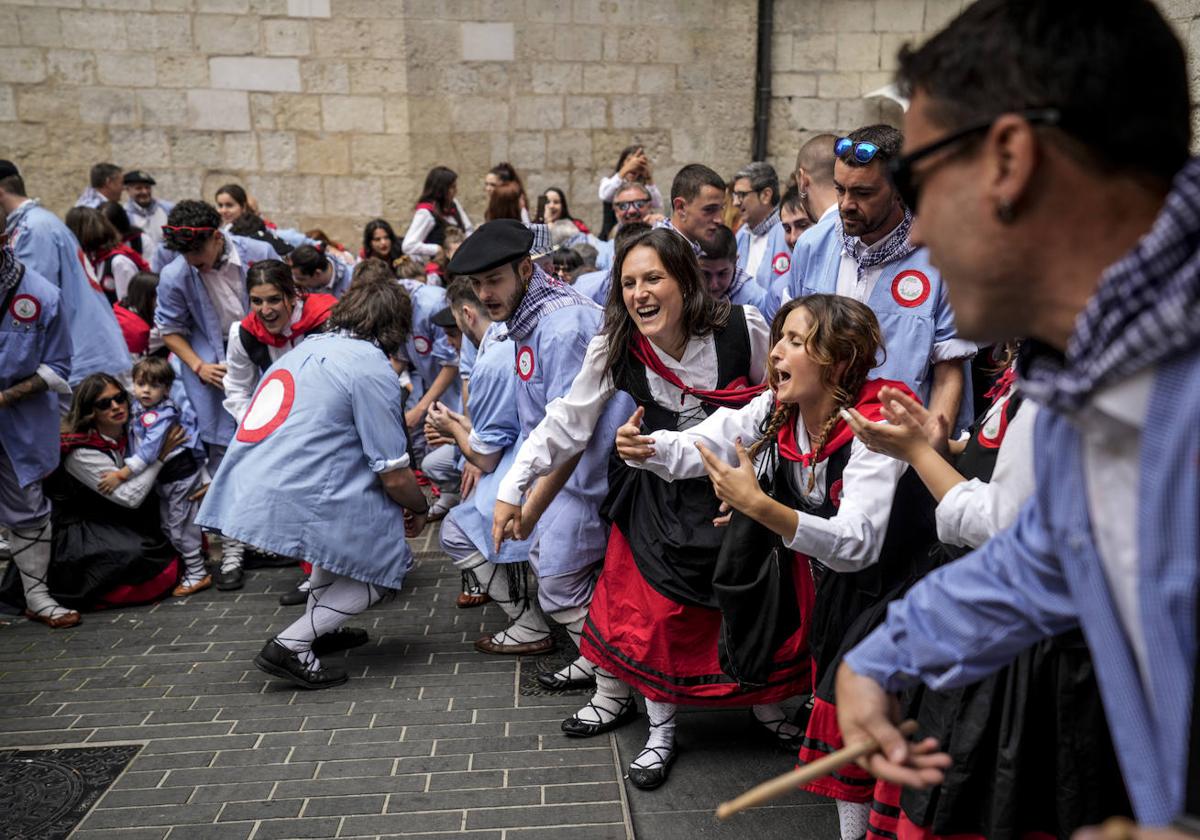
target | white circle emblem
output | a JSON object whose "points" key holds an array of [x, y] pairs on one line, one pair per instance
{"points": [[525, 363], [781, 263], [422, 344], [270, 407], [26, 308]]}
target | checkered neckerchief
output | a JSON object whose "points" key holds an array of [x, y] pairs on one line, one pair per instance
{"points": [[543, 295], [894, 247], [10, 270]]}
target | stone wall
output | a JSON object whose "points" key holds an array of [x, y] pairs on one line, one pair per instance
{"points": [[331, 111]]}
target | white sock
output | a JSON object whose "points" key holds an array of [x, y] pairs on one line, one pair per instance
{"points": [[852, 819], [231, 554], [528, 624], [773, 718], [611, 698], [332, 600], [193, 569], [580, 669], [661, 742], [31, 554], [304, 585]]}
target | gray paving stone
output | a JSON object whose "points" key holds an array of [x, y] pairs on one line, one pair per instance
{"points": [[219, 831], [337, 806], [243, 792], [564, 815], [355, 768], [286, 829], [271, 809], [431, 821]]}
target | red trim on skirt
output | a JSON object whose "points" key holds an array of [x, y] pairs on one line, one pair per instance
{"points": [[889, 822], [147, 592], [668, 651], [849, 783]]}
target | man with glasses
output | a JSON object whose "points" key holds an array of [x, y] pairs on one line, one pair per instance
{"points": [[761, 243], [866, 254], [201, 295], [1048, 160], [632, 203]]}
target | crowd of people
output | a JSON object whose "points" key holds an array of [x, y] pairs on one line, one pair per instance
{"points": [[912, 437]]}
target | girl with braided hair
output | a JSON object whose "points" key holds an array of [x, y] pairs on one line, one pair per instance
{"points": [[855, 518]]}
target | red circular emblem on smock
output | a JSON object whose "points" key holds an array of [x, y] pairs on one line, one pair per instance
{"points": [[911, 288], [148, 418], [25, 308], [835, 493], [422, 344], [269, 408], [525, 363], [781, 263]]}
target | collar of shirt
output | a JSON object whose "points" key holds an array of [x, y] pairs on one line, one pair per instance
{"points": [[15, 217], [1118, 412], [764, 227], [832, 208], [666, 223]]}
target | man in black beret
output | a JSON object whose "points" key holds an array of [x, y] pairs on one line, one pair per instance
{"points": [[144, 210]]}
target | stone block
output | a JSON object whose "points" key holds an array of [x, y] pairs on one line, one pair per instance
{"points": [[359, 196], [557, 11], [370, 76], [435, 112], [602, 11], [379, 154], [21, 64], [609, 78], [477, 113], [141, 147], [287, 37], [352, 113], [857, 51], [226, 34], [848, 16], [126, 69], [631, 112], [656, 78], [856, 113], [874, 81], [181, 71], [241, 151], [794, 84], [203, 149], [253, 73], [372, 38], [87, 28], [10, 31], [73, 67], [899, 15], [573, 43], [218, 110], [839, 85], [529, 148], [556, 78], [326, 154], [569, 150], [813, 52], [227, 7], [268, 8], [538, 112], [813, 115], [59, 108], [321, 76], [40, 27], [297, 113], [262, 111], [308, 8], [162, 107], [938, 13], [586, 112], [109, 106], [488, 41], [160, 31], [8, 104]]}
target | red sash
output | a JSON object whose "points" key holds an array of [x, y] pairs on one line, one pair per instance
{"points": [[867, 404], [738, 393], [70, 441], [314, 311]]}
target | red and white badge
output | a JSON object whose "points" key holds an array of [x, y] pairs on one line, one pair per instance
{"points": [[911, 288], [149, 418], [423, 344], [89, 270], [525, 363], [995, 424], [25, 308], [269, 408], [835, 493], [781, 263]]}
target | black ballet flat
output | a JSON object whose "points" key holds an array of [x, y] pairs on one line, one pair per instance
{"points": [[770, 731], [649, 778], [343, 638], [293, 597], [232, 579], [280, 662], [575, 728], [550, 681]]}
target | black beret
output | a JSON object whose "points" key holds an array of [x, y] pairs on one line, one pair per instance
{"points": [[7, 168], [138, 176], [445, 319], [492, 244]]}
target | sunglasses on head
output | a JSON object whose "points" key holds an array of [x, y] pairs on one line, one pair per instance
{"points": [[864, 152], [901, 169], [636, 204], [185, 233], [108, 402]]}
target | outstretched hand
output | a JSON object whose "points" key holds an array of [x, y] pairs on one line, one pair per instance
{"points": [[910, 427], [632, 445], [736, 485]]}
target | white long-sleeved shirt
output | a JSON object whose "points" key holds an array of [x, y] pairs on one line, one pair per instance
{"points": [[414, 244], [851, 539], [90, 465], [610, 185], [241, 374], [567, 427]]}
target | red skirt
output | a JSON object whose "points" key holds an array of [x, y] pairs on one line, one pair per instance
{"points": [[668, 651], [889, 822], [849, 783]]}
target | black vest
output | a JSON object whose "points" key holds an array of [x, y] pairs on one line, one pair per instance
{"points": [[255, 349]]}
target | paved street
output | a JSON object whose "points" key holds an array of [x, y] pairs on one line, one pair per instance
{"points": [[428, 740]]}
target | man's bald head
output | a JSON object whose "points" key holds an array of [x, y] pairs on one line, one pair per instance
{"points": [[816, 158]]}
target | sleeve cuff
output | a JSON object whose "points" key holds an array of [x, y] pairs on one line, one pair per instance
{"points": [[952, 349], [875, 657], [53, 381], [136, 465], [481, 446], [509, 492], [390, 465]]}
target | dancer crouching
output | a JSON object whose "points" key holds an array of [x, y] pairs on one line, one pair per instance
{"points": [[318, 470], [865, 532]]}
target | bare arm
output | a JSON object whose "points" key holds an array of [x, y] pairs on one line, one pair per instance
{"points": [[401, 487], [22, 390], [544, 490], [210, 374], [946, 395]]}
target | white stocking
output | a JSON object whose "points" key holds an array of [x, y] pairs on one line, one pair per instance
{"points": [[31, 554], [773, 718], [852, 819], [332, 599], [611, 698], [573, 620], [193, 569], [231, 554], [661, 742]]}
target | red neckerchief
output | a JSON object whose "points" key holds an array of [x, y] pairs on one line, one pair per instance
{"points": [[1003, 384], [734, 395], [70, 441], [125, 251], [867, 404], [448, 215], [314, 311]]}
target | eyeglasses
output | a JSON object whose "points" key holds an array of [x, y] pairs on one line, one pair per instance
{"points": [[864, 152], [740, 195], [636, 204], [901, 168], [184, 233], [107, 403]]}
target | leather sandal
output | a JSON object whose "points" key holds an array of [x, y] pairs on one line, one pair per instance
{"points": [[182, 591]]}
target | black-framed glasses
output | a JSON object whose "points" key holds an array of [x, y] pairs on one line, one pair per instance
{"points": [[864, 152], [901, 168], [107, 403], [636, 204]]}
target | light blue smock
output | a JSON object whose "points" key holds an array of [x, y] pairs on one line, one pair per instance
{"points": [[427, 348], [775, 267], [594, 285]]}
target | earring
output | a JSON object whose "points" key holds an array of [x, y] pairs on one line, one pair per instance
{"points": [[1005, 213], [803, 195]]}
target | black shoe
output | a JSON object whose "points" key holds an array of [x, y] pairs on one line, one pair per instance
{"points": [[550, 681], [293, 597], [280, 662], [576, 728], [653, 777], [232, 579], [343, 638], [781, 741]]}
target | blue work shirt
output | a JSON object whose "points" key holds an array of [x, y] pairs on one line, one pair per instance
{"points": [[427, 348]]}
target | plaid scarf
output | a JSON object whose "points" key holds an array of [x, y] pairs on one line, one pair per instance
{"points": [[764, 227], [1146, 309], [11, 270], [543, 295], [666, 223], [894, 246]]}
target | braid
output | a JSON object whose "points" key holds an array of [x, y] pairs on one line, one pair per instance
{"points": [[818, 442], [770, 430]]}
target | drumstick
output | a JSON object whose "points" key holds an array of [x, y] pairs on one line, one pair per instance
{"points": [[774, 788], [1118, 828]]}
